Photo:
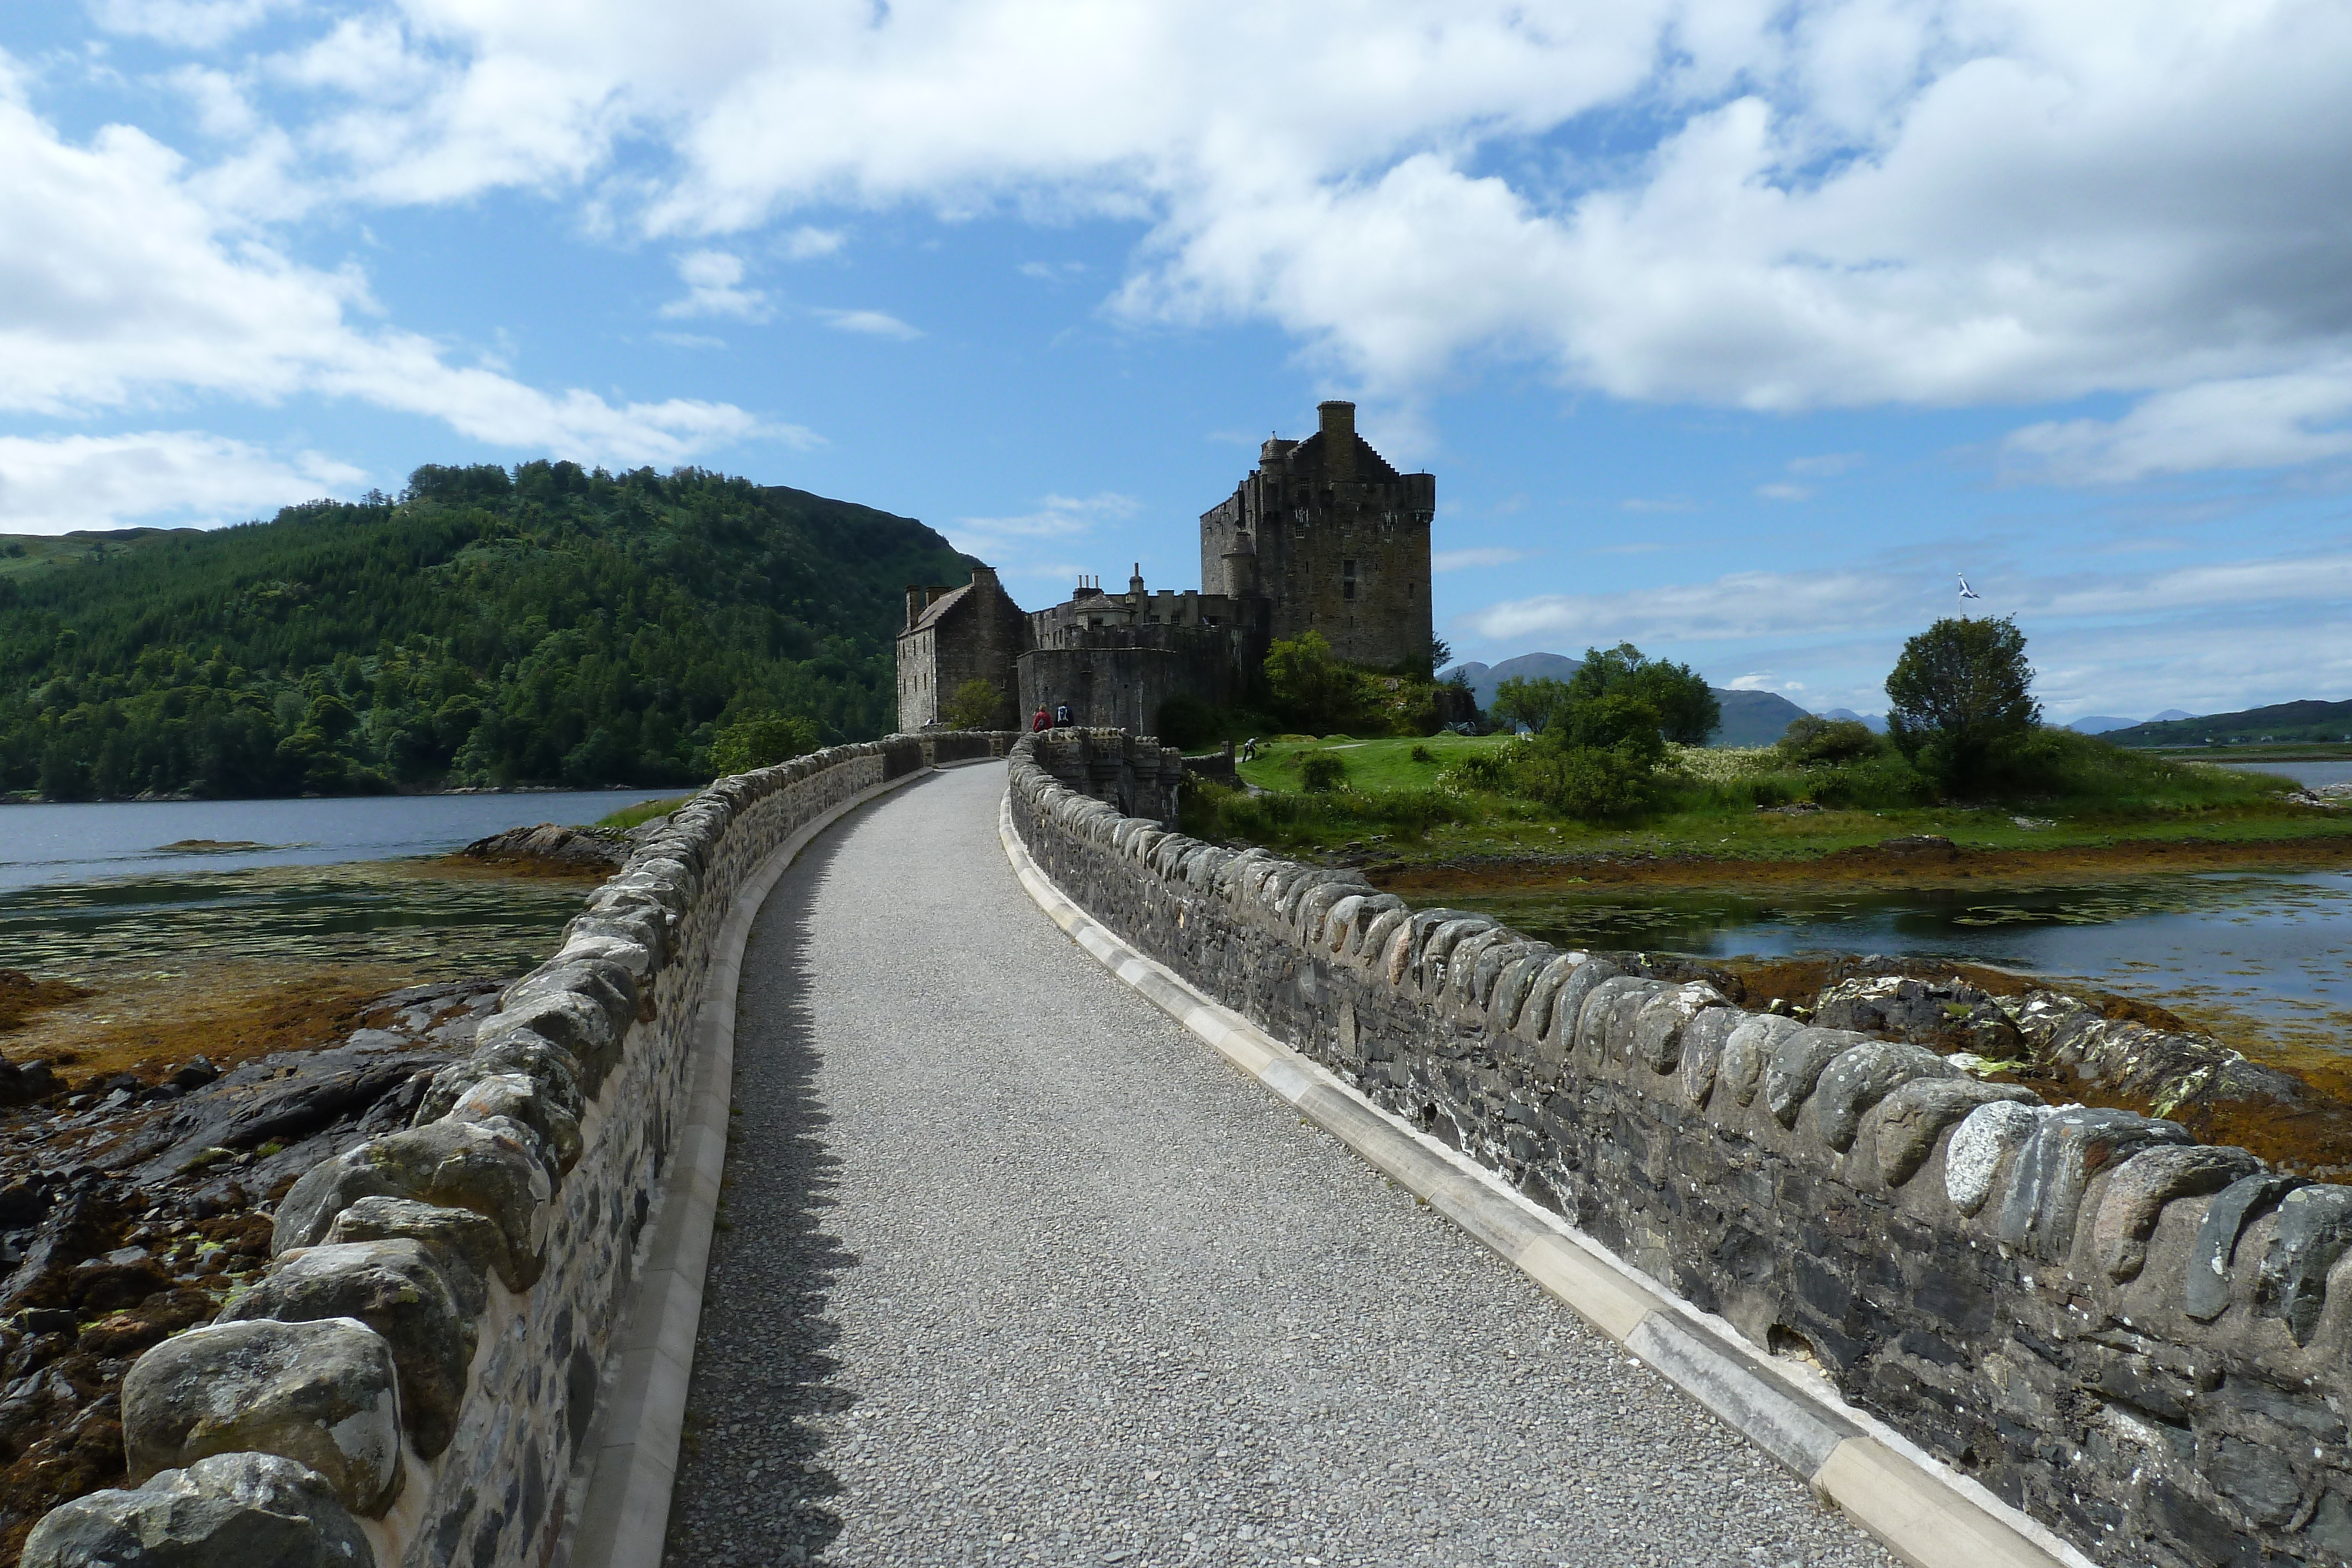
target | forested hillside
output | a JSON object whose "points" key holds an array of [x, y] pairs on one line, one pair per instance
{"points": [[547, 625], [2306, 721]]}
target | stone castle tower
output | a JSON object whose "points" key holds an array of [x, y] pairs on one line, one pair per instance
{"points": [[1333, 539], [1323, 536]]}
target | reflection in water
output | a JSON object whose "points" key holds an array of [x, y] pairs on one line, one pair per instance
{"points": [[2274, 947]]}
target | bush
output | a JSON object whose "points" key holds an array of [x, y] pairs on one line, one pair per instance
{"points": [[1188, 724], [974, 704], [1485, 769], [1810, 739], [1309, 686], [1210, 810], [1321, 772], [1422, 754], [1589, 783], [762, 740]]}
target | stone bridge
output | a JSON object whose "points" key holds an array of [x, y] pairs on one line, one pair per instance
{"points": [[912, 1158]]}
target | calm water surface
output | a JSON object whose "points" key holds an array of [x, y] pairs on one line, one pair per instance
{"points": [[2310, 775], [2275, 946], [45, 846]]}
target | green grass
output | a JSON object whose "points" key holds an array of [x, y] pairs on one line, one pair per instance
{"points": [[1382, 764], [1396, 806], [643, 812]]}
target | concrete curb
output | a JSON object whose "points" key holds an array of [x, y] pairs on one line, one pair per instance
{"points": [[1927, 1513], [619, 1499]]}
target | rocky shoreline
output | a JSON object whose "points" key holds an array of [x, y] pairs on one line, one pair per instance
{"points": [[2071, 1046], [135, 1204]]}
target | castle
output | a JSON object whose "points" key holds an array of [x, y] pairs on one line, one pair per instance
{"points": [[1322, 536]]}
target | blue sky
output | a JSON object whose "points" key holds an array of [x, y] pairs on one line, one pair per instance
{"points": [[1734, 330]]}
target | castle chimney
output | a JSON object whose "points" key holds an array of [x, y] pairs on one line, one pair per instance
{"points": [[915, 603], [1135, 582], [1339, 424], [983, 575]]}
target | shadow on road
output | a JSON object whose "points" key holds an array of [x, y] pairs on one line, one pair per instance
{"points": [[754, 1487]]}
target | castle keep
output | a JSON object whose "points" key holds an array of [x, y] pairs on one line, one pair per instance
{"points": [[1324, 536]]}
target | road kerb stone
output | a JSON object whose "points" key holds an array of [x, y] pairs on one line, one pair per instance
{"points": [[1925, 1513]]}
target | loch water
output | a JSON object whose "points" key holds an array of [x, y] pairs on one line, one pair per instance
{"points": [[109, 893]]}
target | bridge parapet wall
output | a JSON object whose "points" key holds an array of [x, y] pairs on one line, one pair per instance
{"points": [[2136, 1339], [411, 1380]]}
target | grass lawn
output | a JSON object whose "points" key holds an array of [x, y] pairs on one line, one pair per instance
{"points": [[644, 811], [1393, 808]]}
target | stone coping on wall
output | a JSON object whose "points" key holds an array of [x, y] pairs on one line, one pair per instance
{"points": [[2137, 1340], [410, 1380]]}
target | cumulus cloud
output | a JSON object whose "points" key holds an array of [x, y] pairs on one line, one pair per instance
{"points": [[807, 243], [121, 287], [54, 484], [1835, 204], [2253, 421], [872, 323], [714, 287], [187, 24]]}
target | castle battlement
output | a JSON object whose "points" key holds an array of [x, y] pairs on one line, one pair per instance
{"points": [[1325, 535]]}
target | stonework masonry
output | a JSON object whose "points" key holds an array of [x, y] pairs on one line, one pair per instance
{"points": [[410, 1381], [2138, 1340], [1333, 539], [1324, 536], [957, 634]]}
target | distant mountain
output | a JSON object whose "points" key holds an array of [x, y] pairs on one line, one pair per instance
{"points": [[1874, 722], [2105, 723], [1749, 719], [1485, 678], [2310, 720]]}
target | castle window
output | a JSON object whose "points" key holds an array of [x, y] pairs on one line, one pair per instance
{"points": [[1346, 580]]}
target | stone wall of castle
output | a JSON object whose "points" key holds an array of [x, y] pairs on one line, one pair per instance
{"points": [[2143, 1342], [1335, 538], [955, 636]]}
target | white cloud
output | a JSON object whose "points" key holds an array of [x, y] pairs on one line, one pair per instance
{"points": [[1010, 543], [690, 340], [120, 288], [163, 477], [187, 24], [1482, 555], [714, 287], [1053, 271], [1784, 492], [807, 243], [1828, 466], [1840, 203], [2256, 421], [872, 323], [1742, 605], [1762, 681]]}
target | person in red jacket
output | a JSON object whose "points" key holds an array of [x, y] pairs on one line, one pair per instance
{"points": [[1043, 721]]}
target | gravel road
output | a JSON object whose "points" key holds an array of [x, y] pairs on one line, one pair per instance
{"points": [[1013, 1270]]}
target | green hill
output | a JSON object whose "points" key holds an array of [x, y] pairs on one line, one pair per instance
{"points": [[547, 625], [2305, 721]]}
